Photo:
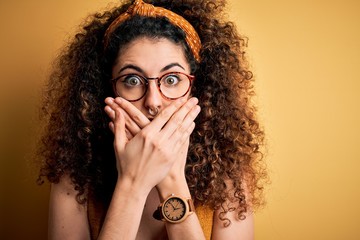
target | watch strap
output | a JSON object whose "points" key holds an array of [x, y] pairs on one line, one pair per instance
{"points": [[157, 214], [191, 205]]}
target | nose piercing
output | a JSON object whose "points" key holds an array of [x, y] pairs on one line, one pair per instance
{"points": [[153, 111]]}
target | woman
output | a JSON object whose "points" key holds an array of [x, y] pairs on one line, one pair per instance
{"points": [[149, 119]]}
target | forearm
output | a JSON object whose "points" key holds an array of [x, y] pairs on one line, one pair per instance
{"points": [[188, 229], [124, 214]]}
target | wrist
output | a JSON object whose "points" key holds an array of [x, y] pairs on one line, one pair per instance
{"points": [[130, 188], [172, 185], [175, 209]]}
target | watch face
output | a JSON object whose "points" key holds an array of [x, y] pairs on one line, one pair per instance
{"points": [[174, 209]]}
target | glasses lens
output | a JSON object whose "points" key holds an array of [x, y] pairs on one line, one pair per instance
{"points": [[130, 87], [174, 85]]}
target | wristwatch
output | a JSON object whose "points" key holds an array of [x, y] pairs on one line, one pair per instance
{"points": [[174, 209]]}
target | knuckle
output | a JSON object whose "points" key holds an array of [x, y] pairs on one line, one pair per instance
{"points": [[136, 118], [115, 145], [178, 104], [117, 112], [156, 144], [188, 106], [191, 128], [193, 114], [177, 120], [187, 131], [144, 135], [182, 129]]}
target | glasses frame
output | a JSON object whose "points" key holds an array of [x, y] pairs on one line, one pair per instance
{"points": [[147, 79]]}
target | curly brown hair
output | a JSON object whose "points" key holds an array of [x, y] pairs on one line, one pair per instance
{"points": [[225, 146]]}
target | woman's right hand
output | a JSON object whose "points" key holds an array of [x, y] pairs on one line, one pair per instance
{"points": [[146, 159]]}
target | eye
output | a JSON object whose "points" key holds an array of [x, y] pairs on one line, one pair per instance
{"points": [[171, 79], [132, 80]]}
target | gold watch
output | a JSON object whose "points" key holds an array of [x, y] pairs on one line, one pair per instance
{"points": [[174, 209]]}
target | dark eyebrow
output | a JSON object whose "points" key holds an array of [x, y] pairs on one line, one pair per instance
{"points": [[130, 66], [136, 68], [171, 65]]}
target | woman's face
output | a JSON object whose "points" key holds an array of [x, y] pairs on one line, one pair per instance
{"points": [[150, 58]]}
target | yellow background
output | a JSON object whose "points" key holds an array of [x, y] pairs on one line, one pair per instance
{"points": [[305, 56]]}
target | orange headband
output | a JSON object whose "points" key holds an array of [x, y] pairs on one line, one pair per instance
{"points": [[148, 10]]}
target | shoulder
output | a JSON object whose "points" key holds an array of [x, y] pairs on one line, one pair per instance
{"points": [[238, 229], [67, 217]]}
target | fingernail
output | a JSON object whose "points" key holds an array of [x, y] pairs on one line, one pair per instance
{"points": [[194, 100], [197, 109]]}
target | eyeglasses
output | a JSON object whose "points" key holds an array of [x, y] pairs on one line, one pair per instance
{"points": [[171, 85]]}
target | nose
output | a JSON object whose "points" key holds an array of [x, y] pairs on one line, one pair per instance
{"points": [[153, 98]]}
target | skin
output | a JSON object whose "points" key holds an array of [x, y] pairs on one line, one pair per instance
{"points": [[144, 145]]}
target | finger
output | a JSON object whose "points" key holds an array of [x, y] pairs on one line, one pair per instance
{"points": [[110, 107], [119, 131], [110, 112], [184, 138], [163, 117], [133, 112], [188, 121], [111, 126], [131, 125], [128, 134], [182, 119], [109, 100]]}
